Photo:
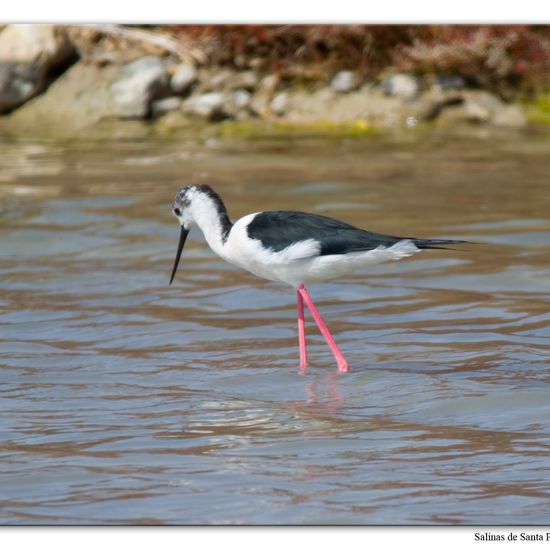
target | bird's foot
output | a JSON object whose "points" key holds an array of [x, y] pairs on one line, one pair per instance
{"points": [[343, 366], [302, 369]]}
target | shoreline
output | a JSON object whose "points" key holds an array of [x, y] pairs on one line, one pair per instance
{"points": [[56, 84]]}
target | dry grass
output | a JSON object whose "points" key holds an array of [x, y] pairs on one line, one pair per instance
{"points": [[508, 59]]}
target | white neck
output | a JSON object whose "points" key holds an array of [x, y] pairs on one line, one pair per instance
{"points": [[206, 214]]}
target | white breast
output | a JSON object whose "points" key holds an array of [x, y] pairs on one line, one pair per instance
{"points": [[249, 254]]}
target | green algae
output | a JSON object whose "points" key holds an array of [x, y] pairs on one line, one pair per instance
{"points": [[295, 130], [538, 109]]}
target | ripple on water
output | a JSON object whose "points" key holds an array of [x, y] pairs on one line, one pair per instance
{"points": [[128, 401]]}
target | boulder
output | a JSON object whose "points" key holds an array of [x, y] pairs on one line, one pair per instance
{"points": [[209, 105], [401, 85], [344, 81], [279, 104], [247, 80], [18, 83], [217, 79], [369, 106], [163, 106], [450, 82], [39, 45], [183, 77], [28, 54], [481, 107], [143, 81], [80, 98], [428, 106], [485, 107], [234, 105], [144, 63], [241, 98]]}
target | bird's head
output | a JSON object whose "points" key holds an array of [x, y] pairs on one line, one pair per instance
{"points": [[194, 202], [181, 207]]}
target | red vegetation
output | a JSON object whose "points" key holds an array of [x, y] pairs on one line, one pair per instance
{"points": [[506, 58]]}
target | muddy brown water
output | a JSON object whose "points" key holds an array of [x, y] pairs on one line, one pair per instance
{"points": [[125, 400]]}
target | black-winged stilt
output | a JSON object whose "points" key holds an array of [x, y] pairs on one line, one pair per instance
{"points": [[291, 247]]}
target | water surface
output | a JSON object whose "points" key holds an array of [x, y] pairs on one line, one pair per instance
{"points": [[125, 400]]}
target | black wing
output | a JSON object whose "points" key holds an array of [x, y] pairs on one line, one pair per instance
{"points": [[280, 229]]}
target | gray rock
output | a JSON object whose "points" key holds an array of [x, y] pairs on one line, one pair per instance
{"points": [[241, 98], [35, 44], [477, 112], [209, 105], [480, 106], [431, 103], [28, 53], [227, 80], [344, 81], [247, 80], [279, 104], [183, 77], [450, 82], [268, 83], [78, 100], [365, 108], [145, 63], [18, 83], [401, 85], [236, 105], [220, 79], [143, 81], [448, 115], [163, 106]]}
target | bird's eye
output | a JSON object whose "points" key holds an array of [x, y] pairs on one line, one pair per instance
{"points": [[177, 211]]}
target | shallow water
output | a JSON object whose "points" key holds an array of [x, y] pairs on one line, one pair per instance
{"points": [[125, 400]]}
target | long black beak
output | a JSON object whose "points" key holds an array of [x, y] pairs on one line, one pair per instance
{"points": [[183, 236]]}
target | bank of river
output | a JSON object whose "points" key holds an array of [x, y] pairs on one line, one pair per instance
{"points": [[55, 83]]}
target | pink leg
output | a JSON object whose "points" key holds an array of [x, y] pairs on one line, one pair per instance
{"points": [[341, 362], [301, 332]]}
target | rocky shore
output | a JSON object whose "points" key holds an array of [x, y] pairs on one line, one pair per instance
{"points": [[55, 81]]}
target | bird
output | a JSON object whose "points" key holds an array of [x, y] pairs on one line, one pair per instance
{"points": [[296, 248]]}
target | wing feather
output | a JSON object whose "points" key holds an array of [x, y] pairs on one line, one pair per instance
{"points": [[282, 229]]}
